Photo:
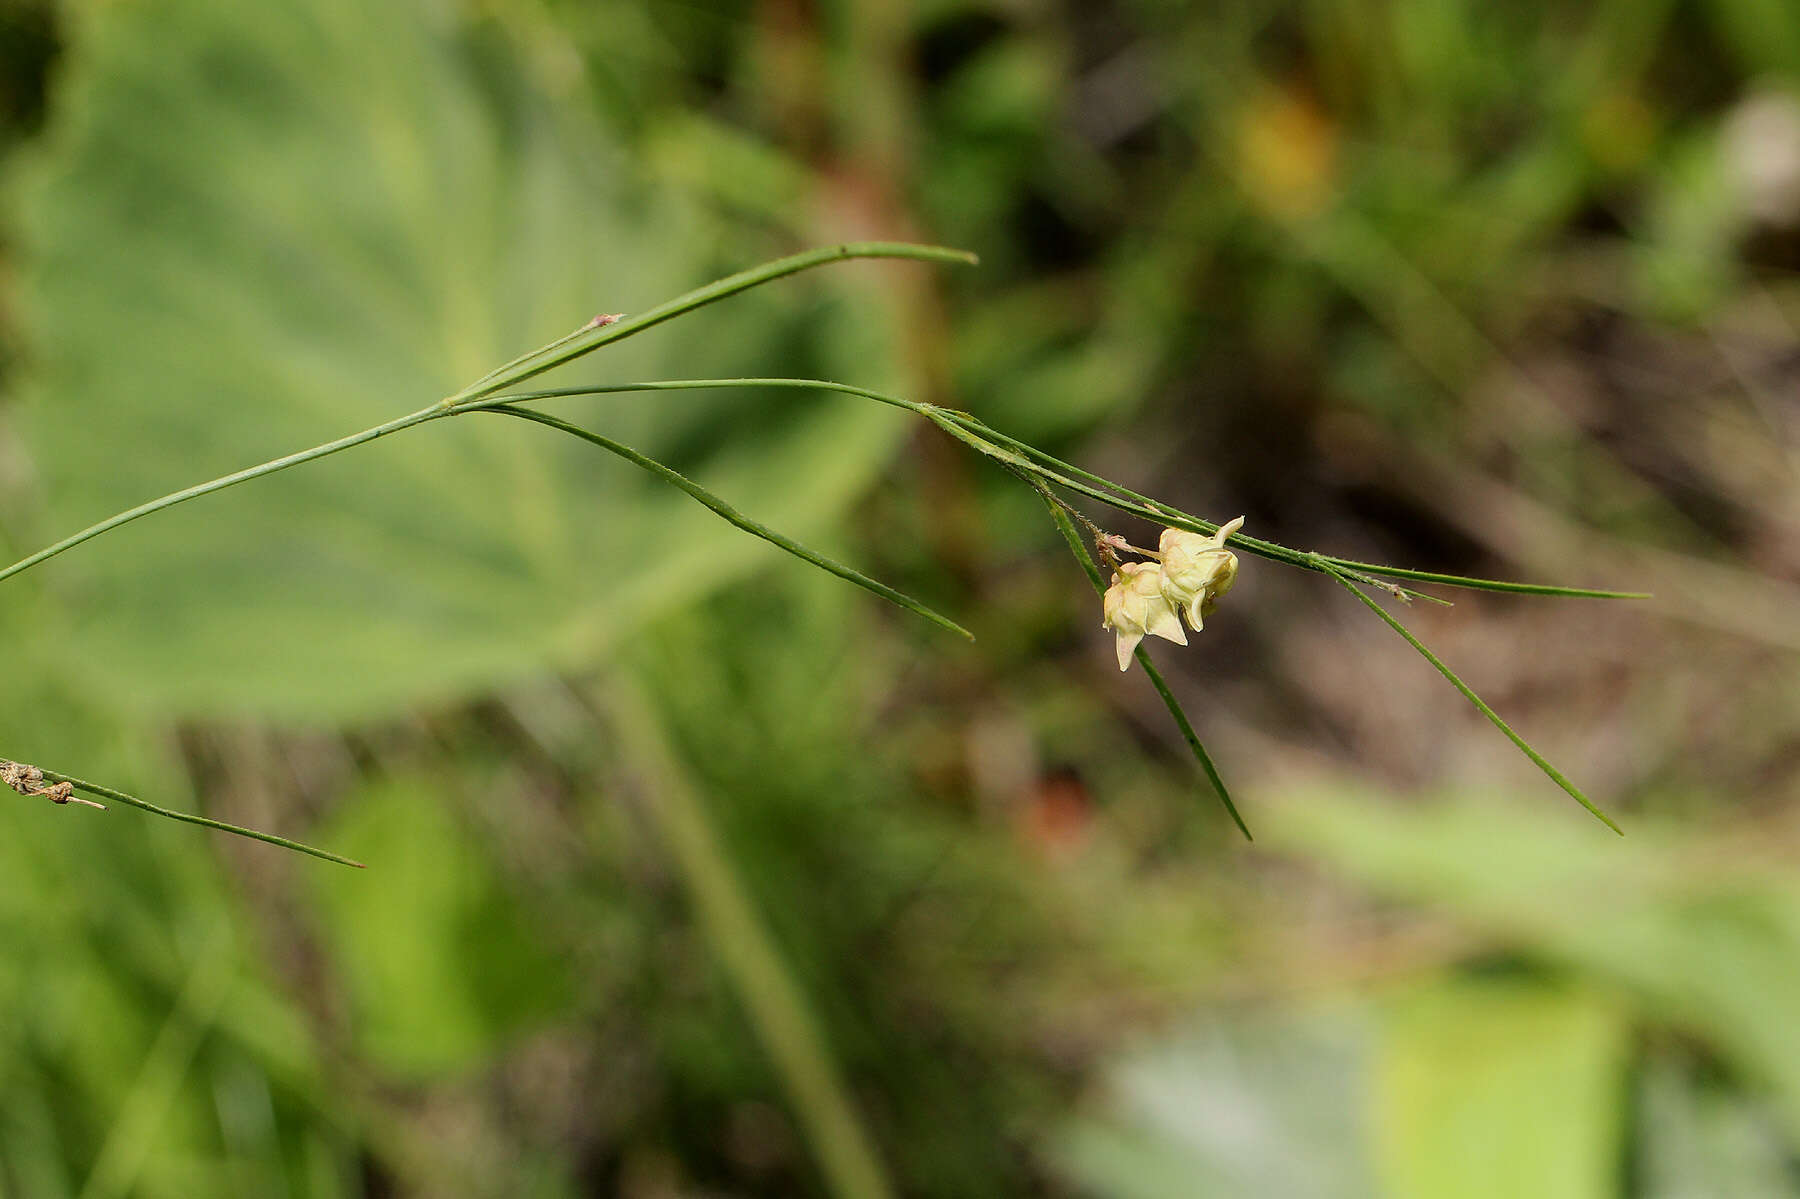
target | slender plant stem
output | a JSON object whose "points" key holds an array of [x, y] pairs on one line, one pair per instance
{"points": [[1012, 452], [790, 1032], [1552, 590], [1036, 467], [1481, 705], [953, 423], [733, 516], [972, 433], [1156, 509], [151, 1103], [1126, 500], [563, 349], [203, 821], [221, 483]]}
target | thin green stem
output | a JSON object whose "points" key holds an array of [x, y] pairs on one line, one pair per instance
{"points": [[733, 516], [154, 1097], [203, 821], [791, 1034], [1481, 705], [1035, 466], [1067, 527], [1149, 508], [567, 349], [1474, 584], [221, 483], [1010, 451]]}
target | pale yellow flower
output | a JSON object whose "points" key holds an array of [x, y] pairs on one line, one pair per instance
{"points": [[1135, 606], [1197, 569]]}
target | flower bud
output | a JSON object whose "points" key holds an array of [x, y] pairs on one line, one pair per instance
{"points": [[1197, 569], [1135, 606]]}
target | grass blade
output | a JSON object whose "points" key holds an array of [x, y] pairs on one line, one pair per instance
{"points": [[1475, 584], [584, 341], [595, 389], [1543, 764], [1193, 740], [203, 821], [1127, 500], [733, 516], [1073, 537], [1012, 452]]}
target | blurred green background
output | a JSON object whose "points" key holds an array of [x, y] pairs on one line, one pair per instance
{"points": [[694, 872]]}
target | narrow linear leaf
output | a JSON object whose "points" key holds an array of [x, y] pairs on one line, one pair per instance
{"points": [[1193, 740], [203, 821], [1022, 458], [1477, 584], [596, 389], [1127, 500], [941, 417], [568, 348], [976, 432], [1543, 764], [733, 516], [1015, 453], [1067, 528]]}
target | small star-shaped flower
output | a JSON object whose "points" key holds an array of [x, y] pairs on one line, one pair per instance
{"points": [[1135, 606], [1197, 569]]}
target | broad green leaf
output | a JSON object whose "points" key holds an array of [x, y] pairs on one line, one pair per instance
{"points": [[1272, 1105], [1705, 938], [440, 966], [260, 227], [1697, 1138], [1496, 1089]]}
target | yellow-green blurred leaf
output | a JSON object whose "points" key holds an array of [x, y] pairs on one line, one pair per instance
{"points": [[1500, 1089]]}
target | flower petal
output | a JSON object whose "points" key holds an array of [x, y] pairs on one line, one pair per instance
{"points": [[1165, 624], [1126, 643]]}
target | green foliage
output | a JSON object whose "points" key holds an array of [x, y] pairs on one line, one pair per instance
{"points": [[1709, 946], [148, 1049], [1291, 259], [1500, 1088], [1268, 1105], [1545, 1067], [441, 967], [1699, 1136], [313, 221]]}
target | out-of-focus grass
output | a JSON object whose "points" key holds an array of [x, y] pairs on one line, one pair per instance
{"points": [[1505, 290]]}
